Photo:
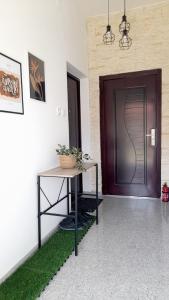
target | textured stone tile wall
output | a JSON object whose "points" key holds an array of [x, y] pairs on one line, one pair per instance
{"points": [[150, 50]]}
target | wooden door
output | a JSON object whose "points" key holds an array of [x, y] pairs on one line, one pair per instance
{"points": [[74, 111], [130, 113], [74, 114]]}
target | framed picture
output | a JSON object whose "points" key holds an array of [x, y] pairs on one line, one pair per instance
{"points": [[36, 78], [11, 94]]}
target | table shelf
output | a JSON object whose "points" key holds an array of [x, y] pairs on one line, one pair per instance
{"points": [[67, 174]]}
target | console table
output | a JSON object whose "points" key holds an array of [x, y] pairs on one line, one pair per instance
{"points": [[68, 175]]}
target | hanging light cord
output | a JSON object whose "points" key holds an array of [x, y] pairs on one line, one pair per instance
{"points": [[108, 13], [125, 15], [124, 7]]}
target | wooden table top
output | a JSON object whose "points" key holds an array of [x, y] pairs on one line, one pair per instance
{"points": [[65, 173]]}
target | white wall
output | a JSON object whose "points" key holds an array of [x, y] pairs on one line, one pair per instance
{"points": [[53, 31], [85, 131]]}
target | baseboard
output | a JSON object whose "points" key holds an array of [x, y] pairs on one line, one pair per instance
{"points": [[130, 197]]}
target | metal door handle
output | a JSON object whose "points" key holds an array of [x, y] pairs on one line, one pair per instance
{"points": [[153, 137]]}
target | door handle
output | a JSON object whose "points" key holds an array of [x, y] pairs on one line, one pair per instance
{"points": [[153, 137]]}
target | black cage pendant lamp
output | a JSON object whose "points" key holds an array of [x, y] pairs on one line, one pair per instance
{"points": [[124, 28], [108, 37]]}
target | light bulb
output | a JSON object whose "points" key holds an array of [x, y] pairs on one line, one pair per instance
{"points": [[125, 42], [124, 25], [108, 37]]}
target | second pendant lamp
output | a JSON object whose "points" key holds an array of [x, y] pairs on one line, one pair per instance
{"points": [[124, 28]]}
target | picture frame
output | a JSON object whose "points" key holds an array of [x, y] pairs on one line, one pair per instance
{"points": [[36, 78], [11, 91]]}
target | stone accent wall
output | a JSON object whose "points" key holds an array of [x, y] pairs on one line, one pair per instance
{"points": [[150, 50]]}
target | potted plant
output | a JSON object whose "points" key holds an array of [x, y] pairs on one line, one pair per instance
{"points": [[71, 157]]}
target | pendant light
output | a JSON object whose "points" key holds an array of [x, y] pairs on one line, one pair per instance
{"points": [[124, 24], [124, 28], [125, 42], [108, 37]]}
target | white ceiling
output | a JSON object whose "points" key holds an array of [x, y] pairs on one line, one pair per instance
{"points": [[99, 7]]}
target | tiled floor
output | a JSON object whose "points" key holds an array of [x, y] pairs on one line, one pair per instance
{"points": [[125, 257]]}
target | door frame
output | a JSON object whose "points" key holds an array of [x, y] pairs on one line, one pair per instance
{"points": [[102, 79]]}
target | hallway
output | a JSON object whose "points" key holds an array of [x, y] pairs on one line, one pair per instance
{"points": [[126, 257]]}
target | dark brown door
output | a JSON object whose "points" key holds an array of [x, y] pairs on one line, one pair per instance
{"points": [[74, 111], [74, 116], [130, 133]]}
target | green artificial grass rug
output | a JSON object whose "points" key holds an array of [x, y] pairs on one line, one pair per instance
{"points": [[32, 277]]}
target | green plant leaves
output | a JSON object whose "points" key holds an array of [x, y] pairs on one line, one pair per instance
{"points": [[79, 156]]}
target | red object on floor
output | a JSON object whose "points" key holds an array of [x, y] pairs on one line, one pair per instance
{"points": [[165, 193]]}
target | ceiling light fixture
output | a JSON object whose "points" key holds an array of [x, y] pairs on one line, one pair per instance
{"points": [[124, 28], [108, 37]]}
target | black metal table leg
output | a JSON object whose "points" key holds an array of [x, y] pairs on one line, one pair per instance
{"points": [[68, 209], [39, 216], [97, 195], [76, 218]]}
